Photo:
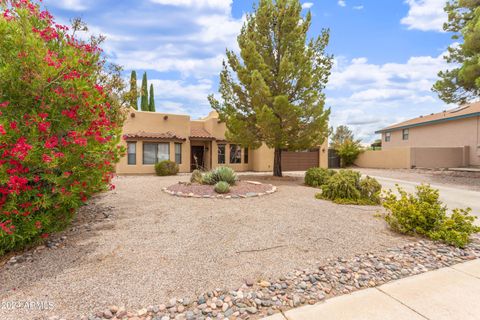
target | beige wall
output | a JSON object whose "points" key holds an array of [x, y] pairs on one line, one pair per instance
{"points": [[455, 133], [393, 158]]}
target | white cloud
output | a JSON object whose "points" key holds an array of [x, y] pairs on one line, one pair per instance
{"points": [[360, 7], [368, 96], [223, 5], [342, 3], [425, 15], [73, 5], [307, 5]]}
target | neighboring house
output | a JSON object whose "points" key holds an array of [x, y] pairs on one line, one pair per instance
{"points": [[450, 138], [150, 137]]}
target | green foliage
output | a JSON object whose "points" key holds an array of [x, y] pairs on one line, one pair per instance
{"points": [[348, 152], [347, 187], [316, 177], [275, 94], [196, 176], [133, 90], [166, 168], [151, 102], [60, 122], [461, 84], [422, 213], [225, 174], [209, 178], [341, 134], [144, 94], [222, 187]]}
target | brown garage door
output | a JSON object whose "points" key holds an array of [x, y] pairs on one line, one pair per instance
{"points": [[299, 161]]}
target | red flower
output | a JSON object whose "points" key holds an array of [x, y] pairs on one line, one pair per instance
{"points": [[2, 130], [46, 158], [43, 126]]}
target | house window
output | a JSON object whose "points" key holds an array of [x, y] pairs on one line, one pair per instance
{"points": [[387, 136], [178, 153], [245, 155], [405, 134], [132, 153], [221, 153], [235, 153], [155, 152]]}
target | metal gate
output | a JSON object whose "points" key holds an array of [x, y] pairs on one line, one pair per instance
{"points": [[300, 160], [333, 159]]}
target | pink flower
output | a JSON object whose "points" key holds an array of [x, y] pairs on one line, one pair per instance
{"points": [[43, 126], [46, 158]]}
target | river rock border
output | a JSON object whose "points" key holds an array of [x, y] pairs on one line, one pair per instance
{"points": [[258, 298], [221, 196]]}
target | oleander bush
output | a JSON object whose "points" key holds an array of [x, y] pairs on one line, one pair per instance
{"points": [[60, 123], [222, 187], [348, 187], [196, 176], [166, 168], [317, 177], [422, 213]]}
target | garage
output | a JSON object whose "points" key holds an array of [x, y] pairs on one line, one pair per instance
{"points": [[300, 160]]}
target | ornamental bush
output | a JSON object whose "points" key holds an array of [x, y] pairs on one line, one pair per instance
{"points": [[224, 174], [222, 187], [166, 168], [60, 123], [196, 176], [317, 177], [422, 213], [208, 178]]}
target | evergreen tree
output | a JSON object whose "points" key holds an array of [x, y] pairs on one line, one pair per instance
{"points": [[462, 84], [340, 136], [144, 94], [281, 74], [133, 90], [151, 102]]}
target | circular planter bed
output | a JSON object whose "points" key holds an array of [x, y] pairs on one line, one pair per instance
{"points": [[242, 189]]}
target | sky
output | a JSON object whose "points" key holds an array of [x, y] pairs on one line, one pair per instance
{"points": [[387, 53]]}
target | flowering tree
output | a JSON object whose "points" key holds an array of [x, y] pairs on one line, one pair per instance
{"points": [[60, 122]]}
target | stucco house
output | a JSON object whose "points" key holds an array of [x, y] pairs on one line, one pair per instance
{"points": [[450, 138], [150, 137]]}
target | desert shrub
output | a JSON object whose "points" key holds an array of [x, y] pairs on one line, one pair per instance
{"points": [[224, 174], [347, 187], [422, 213], [60, 123], [166, 168], [208, 178], [196, 176], [348, 152], [222, 187], [316, 177]]}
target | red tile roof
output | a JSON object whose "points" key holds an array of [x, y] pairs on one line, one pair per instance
{"points": [[153, 135], [200, 133], [464, 111]]}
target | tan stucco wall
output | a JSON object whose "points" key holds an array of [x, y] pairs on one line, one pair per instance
{"points": [[455, 133], [394, 158]]}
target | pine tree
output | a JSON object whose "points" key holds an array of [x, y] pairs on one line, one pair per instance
{"points": [[144, 94], [151, 102], [462, 83], [281, 74], [133, 90]]}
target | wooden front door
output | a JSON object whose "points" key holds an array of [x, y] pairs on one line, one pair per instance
{"points": [[196, 158]]}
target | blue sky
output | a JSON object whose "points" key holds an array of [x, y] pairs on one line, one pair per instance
{"points": [[387, 53]]}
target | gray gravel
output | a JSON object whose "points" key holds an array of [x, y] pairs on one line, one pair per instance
{"points": [[149, 247]]}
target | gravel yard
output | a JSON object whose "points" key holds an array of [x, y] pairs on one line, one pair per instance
{"points": [[138, 246]]}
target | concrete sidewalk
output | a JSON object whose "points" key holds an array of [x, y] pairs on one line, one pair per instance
{"points": [[449, 293]]}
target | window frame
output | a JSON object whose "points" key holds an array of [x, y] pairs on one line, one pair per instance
{"points": [[134, 143], [237, 153], [156, 144], [405, 134], [178, 161], [245, 155], [388, 136]]}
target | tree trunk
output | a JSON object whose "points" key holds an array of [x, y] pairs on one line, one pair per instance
{"points": [[277, 163]]}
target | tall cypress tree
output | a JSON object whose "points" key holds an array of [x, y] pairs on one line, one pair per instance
{"points": [[133, 90], [151, 102], [144, 94], [275, 92]]}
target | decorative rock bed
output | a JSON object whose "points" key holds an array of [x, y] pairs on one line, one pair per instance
{"points": [[242, 189], [257, 298]]}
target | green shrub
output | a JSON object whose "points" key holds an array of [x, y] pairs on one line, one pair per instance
{"points": [[347, 187], [222, 187], [224, 174], [208, 178], [166, 168], [317, 177], [348, 152], [422, 213], [196, 176]]}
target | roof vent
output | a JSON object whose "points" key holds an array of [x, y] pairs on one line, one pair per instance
{"points": [[165, 117]]}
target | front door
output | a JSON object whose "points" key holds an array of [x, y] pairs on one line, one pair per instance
{"points": [[196, 158]]}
